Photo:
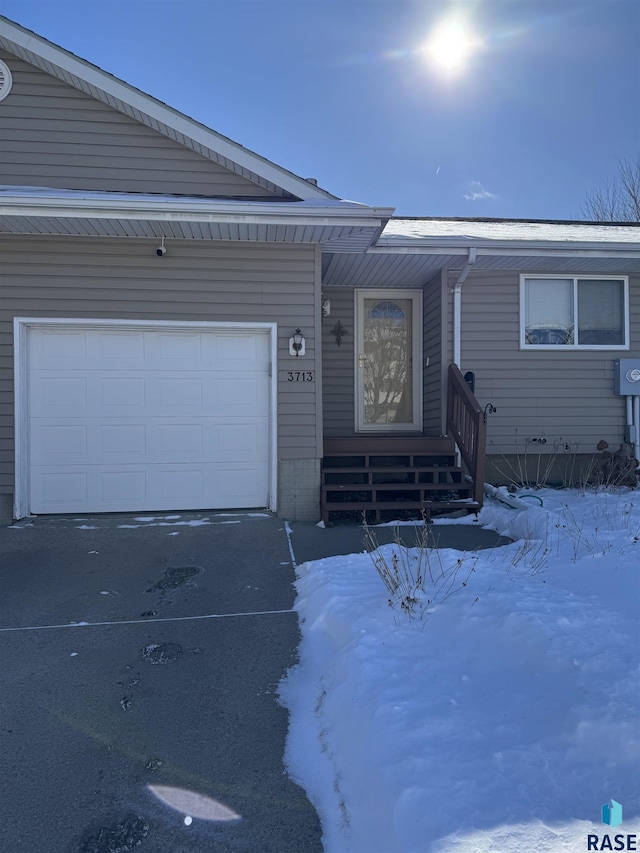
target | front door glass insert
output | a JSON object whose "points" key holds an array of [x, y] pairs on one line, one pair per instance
{"points": [[387, 362]]}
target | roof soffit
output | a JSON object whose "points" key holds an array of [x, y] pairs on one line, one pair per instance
{"points": [[380, 269], [151, 112]]}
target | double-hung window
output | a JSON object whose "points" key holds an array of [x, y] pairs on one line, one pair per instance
{"points": [[574, 312]]}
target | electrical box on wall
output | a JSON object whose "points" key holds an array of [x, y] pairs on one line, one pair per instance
{"points": [[626, 376]]}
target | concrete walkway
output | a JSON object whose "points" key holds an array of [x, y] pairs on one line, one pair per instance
{"points": [[112, 732], [311, 542]]}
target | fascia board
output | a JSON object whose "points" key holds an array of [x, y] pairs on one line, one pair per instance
{"points": [[160, 112], [580, 250], [21, 206]]}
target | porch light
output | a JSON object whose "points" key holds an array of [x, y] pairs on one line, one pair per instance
{"points": [[296, 343]]}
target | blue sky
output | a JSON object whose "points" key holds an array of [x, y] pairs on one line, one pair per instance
{"points": [[341, 91]]}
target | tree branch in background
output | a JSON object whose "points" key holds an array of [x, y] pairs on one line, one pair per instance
{"points": [[619, 199]]}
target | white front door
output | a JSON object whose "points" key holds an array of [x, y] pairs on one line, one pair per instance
{"points": [[388, 360], [126, 419]]}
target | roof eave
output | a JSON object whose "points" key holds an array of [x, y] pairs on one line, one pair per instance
{"points": [[175, 209], [507, 248], [347, 228]]}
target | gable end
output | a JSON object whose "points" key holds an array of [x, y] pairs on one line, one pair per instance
{"points": [[156, 115], [54, 135]]}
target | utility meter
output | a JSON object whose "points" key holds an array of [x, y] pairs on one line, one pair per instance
{"points": [[626, 375]]}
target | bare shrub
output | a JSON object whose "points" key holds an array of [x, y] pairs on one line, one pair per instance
{"points": [[416, 578]]}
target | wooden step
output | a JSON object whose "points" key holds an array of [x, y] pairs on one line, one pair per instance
{"points": [[389, 445], [353, 511], [391, 475], [404, 469], [344, 488], [390, 460], [397, 474]]}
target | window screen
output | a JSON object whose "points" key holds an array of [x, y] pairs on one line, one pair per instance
{"points": [[600, 312]]}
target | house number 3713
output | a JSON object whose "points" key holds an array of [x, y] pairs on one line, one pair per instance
{"points": [[300, 376]]}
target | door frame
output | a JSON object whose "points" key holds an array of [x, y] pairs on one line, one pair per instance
{"points": [[415, 294], [21, 328]]}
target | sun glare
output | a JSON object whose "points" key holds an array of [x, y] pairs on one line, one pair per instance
{"points": [[193, 804], [450, 46]]}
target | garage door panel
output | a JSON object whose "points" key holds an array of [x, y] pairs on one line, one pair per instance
{"points": [[56, 349], [109, 395], [239, 352], [183, 484], [115, 350], [182, 392], [52, 396], [117, 392], [82, 441], [241, 391], [61, 443], [61, 487], [179, 349], [133, 349], [181, 439], [150, 433], [121, 487], [243, 441], [121, 440], [222, 351], [212, 486], [239, 486]]}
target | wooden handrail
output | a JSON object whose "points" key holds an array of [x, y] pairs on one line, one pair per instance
{"points": [[467, 423]]}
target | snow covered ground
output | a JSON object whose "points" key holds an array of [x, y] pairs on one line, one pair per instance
{"points": [[499, 720]]}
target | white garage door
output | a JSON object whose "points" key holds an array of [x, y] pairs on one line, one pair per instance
{"points": [[125, 419]]}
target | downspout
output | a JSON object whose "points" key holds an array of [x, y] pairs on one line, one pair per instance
{"points": [[633, 423], [457, 305], [636, 425]]}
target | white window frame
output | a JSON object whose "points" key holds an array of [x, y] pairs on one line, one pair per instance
{"points": [[21, 328], [524, 277]]}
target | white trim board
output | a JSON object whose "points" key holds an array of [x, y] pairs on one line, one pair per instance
{"points": [[21, 327]]}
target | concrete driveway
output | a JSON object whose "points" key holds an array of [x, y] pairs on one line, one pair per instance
{"points": [[115, 731]]}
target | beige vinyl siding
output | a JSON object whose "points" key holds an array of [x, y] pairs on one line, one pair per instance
{"points": [[566, 397], [338, 364], [433, 301], [196, 281], [53, 135]]}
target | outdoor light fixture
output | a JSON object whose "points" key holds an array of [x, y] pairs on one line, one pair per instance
{"points": [[296, 343]]}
